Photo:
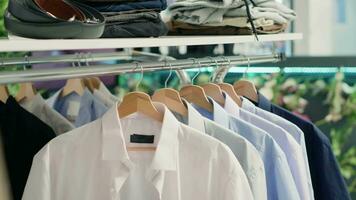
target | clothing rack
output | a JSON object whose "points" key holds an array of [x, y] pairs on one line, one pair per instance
{"points": [[32, 75]]}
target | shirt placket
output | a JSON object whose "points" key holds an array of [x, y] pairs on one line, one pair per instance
{"points": [[119, 180], [156, 177]]}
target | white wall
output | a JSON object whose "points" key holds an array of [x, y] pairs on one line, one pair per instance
{"points": [[323, 35], [344, 34]]}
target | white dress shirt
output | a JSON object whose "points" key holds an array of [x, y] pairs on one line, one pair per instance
{"points": [[286, 125], [290, 147], [92, 162], [244, 151]]}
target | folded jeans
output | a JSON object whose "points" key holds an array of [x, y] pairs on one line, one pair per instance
{"points": [[143, 28], [132, 17], [129, 6]]}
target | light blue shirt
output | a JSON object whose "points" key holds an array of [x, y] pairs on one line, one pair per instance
{"points": [[79, 110], [245, 152], [280, 183], [291, 128], [289, 146]]}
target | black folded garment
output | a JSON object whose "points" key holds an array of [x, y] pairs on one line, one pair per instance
{"points": [[56, 19], [147, 24], [138, 6]]}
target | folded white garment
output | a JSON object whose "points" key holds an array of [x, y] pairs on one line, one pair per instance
{"points": [[201, 12], [242, 22], [262, 12]]}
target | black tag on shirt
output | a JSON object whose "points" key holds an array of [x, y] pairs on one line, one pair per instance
{"points": [[148, 139]]}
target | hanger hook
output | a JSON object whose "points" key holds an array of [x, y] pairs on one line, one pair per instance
{"points": [[91, 56], [170, 73], [213, 60], [228, 60], [87, 56], [27, 62], [248, 66], [197, 74], [217, 68], [141, 78], [79, 59], [73, 62]]}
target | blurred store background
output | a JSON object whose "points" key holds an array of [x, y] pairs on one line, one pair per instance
{"points": [[317, 81]]}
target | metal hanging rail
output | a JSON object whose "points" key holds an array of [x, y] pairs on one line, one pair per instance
{"points": [[103, 70], [88, 57], [71, 58]]}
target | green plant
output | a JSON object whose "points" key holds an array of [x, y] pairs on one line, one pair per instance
{"points": [[3, 5], [341, 100], [346, 156]]}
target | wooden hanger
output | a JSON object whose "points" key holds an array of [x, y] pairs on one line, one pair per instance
{"points": [[27, 91], [141, 148], [92, 83], [138, 102], [171, 99], [195, 94], [76, 85], [229, 89], [4, 93], [214, 91], [247, 89], [95, 81]]}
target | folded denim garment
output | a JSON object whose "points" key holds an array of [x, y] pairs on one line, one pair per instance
{"points": [[105, 1], [133, 17], [139, 27], [180, 28], [202, 12], [127, 12], [157, 5]]}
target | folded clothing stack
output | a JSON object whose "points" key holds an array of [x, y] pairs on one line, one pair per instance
{"points": [[53, 19], [228, 17], [132, 18]]}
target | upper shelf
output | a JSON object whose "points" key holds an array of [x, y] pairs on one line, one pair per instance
{"points": [[24, 44]]}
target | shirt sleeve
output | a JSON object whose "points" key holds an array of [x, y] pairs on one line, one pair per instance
{"points": [[38, 182]]}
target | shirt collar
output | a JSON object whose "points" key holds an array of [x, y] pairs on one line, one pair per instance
{"points": [[248, 105], [36, 102], [195, 120], [114, 147], [87, 97], [104, 89], [53, 99], [230, 106], [264, 103], [220, 115]]}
